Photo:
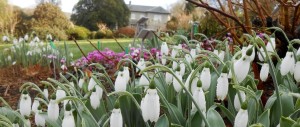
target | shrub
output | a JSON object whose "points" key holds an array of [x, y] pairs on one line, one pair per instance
{"points": [[78, 32], [93, 35], [105, 33], [126, 32], [55, 32]]}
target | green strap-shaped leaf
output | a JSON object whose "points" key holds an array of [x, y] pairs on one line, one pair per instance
{"points": [[214, 119], [264, 118], [162, 121]]}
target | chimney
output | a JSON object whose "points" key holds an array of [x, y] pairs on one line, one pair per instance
{"points": [[130, 2]]}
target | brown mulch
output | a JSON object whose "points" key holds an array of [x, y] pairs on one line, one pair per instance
{"points": [[13, 77]]}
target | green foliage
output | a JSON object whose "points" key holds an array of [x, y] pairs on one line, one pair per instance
{"points": [[106, 33], [78, 32], [51, 17], [209, 25], [90, 12]]}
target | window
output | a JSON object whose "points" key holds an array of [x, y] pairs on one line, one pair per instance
{"points": [[157, 17], [133, 16]]}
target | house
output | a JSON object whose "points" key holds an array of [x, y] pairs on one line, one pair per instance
{"points": [[157, 16]]}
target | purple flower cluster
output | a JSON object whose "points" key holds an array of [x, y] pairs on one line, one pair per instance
{"points": [[110, 59]]}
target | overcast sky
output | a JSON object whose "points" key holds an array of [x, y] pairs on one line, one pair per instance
{"points": [[67, 5]]}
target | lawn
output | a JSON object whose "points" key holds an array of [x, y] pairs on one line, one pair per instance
{"points": [[86, 46]]}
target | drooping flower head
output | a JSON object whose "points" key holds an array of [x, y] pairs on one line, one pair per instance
{"points": [[116, 119], [150, 105], [25, 104]]}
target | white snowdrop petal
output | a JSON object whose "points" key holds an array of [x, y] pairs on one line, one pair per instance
{"points": [[237, 103], [25, 105], [60, 94], [144, 81], [199, 97], [68, 120], [264, 72], [35, 106], [126, 74], [205, 78], [53, 110], [169, 78], [94, 100], [241, 119], [182, 68], [164, 49], [297, 72], [91, 84], [241, 68], [116, 119], [176, 84], [287, 64], [39, 119], [121, 82], [150, 106], [222, 86]]}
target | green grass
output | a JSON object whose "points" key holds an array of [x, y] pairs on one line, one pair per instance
{"points": [[85, 46]]}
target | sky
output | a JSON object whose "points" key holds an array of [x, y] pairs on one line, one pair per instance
{"points": [[67, 5]]}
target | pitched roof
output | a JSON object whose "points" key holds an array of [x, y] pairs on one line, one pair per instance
{"points": [[151, 9]]}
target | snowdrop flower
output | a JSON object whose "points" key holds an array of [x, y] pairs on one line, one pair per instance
{"points": [[194, 81], [126, 74], [163, 60], [242, 66], [176, 83], [15, 42], [38, 118], [94, 99], [25, 104], [174, 65], [29, 53], [21, 39], [120, 83], [9, 58], [182, 68], [169, 78], [35, 105], [53, 109], [264, 72], [199, 97], [5, 38], [116, 119], [198, 48], [49, 37], [68, 120], [298, 52], [205, 78], [271, 45], [237, 103], [71, 55], [251, 54], [45, 91], [141, 65], [36, 39], [92, 84], [60, 93], [241, 119], [220, 54], [188, 58], [26, 37], [175, 50], [297, 71], [261, 57], [150, 105], [187, 82], [287, 64], [81, 82], [64, 67], [222, 84], [164, 49], [193, 53]]}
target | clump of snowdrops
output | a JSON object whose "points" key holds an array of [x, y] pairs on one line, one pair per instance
{"points": [[30, 50], [190, 88]]}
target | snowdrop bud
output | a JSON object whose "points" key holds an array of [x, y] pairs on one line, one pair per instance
{"points": [[81, 82], [35, 106], [60, 93], [199, 97], [46, 92], [38, 118], [68, 120], [176, 83], [193, 53], [174, 65], [121, 82], [53, 109], [297, 72], [188, 58], [150, 105], [287, 64], [25, 104], [237, 103], [241, 119], [182, 68], [94, 99], [126, 74], [164, 49], [222, 86], [169, 78], [141, 64], [92, 84], [205, 78], [241, 68], [26, 37], [116, 119], [264, 72]]}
